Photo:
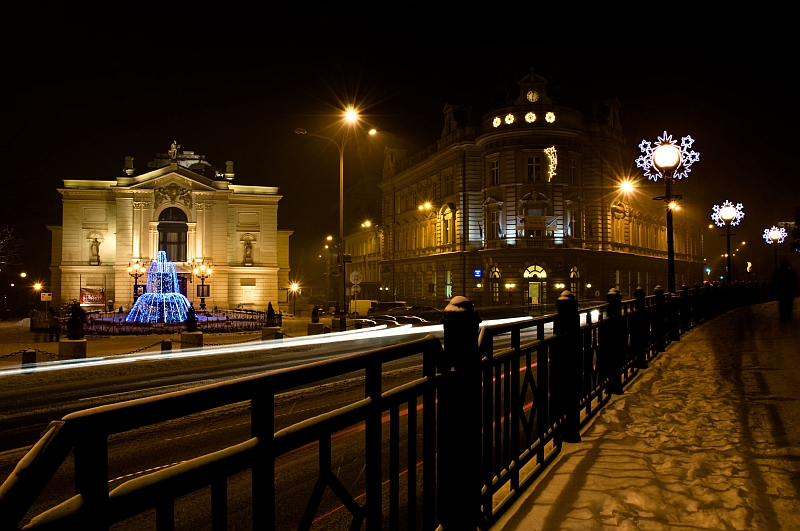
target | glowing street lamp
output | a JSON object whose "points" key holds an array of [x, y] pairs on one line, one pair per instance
{"points": [[136, 270], [728, 215], [666, 160], [202, 272], [350, 117], [294, 288], [775, 235]]}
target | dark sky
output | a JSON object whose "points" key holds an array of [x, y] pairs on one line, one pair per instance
{"points": [[84, 89]]}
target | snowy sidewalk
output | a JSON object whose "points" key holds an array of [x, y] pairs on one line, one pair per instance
{"points": [[707, 438]]}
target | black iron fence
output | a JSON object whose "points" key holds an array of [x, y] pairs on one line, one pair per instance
{"points": [[451, 449], [235, 320]]}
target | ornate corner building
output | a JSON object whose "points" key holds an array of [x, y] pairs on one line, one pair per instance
{"points": [[521, 205], [182, 206]]}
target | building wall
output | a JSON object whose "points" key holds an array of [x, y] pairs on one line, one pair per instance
{"points": [[494, 216], [123, 215]]}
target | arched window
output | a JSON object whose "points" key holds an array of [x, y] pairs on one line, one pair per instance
{"points": [[535, 271], [574, 272], [494, 272], [172, 229]]}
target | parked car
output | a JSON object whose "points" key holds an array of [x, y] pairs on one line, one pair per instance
{"points": [[383, 307], [429, 313], [388, 320]]}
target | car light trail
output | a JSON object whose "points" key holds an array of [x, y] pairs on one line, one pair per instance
{"points": [[380, 331]]}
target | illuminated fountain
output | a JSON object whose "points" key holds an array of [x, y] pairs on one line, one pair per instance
{"points": [[162, 303]]}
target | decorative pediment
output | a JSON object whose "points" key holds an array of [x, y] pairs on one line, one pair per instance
{"points": [[172, 193], [535, 196], [492, 201]]}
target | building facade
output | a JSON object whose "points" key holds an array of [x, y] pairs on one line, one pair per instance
{"points": [[523, 204], [182, 206]]}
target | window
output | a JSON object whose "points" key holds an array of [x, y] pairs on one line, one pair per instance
{"points": [[448, 183], [575, 223], [494, 172], [573, 172], [534, 168], [445, 230], [448, 284], [424, 238], [172, 229], [494, 225], [495, 292]]}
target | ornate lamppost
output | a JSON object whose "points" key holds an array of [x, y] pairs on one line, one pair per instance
{"points": [[665, 159], [203, 272], [775, 235], [136, 270], [350, 117], [728, 215]]}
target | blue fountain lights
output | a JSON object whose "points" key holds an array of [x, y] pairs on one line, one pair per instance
{"points": [[162, 303]]}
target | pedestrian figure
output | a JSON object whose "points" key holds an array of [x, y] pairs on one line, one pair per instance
{"points": [[786, 289], [53, 326]]}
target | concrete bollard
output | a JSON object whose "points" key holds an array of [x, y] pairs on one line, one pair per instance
{"points": [[270, 332], [315, 329], [191, 340], [28, 359], [71, 349]]}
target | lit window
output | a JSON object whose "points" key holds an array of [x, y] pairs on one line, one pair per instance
{"points": [[494, 172]]}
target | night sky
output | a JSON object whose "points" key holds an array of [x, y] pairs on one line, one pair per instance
{"points": [[84, 90]]}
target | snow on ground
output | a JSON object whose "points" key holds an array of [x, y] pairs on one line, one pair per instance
{"points": [[706, 438]]}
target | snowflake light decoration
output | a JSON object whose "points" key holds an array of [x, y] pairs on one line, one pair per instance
{"points": [[509, 119], [553, 159], [688, 157], [496, 122], [738, 213], [780, 232], [550, 117], [530, 117]]}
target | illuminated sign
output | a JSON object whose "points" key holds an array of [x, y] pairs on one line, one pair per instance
{"points": [[477, 273]]}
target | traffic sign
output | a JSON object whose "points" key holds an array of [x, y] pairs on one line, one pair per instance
{"points": [[355, 277], [356, 289]]}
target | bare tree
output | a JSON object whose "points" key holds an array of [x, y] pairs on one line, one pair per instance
{"points": [[10, 246]]}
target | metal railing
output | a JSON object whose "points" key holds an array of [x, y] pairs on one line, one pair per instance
{"points": [[489, 416]]}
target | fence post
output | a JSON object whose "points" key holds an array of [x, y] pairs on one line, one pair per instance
{"points": [[686, 309], [615, 346], [568, 365], [640, 329], [659, 319], [460, 428]]}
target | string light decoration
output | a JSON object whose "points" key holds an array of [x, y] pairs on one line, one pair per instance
{"points": [[550, 117], [688, 157], [496, 122], [162, 303], [728, 213], [775, 235], [553, 158], [530, 117], [509, 119]]}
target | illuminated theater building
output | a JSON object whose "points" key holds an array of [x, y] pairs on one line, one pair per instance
{"points": [[523, 204], [180, 205]]}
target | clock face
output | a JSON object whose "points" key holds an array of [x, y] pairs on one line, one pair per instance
{"points": [[533, 96]]}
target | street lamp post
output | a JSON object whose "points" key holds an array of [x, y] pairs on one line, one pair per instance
{"points": [[665, 159], [350, 117], [728, 215], [136, 270], [775, 235], [294, 287], [202, 272]]}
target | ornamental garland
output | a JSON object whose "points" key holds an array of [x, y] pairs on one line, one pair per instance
{"points": [[737, 216], [688, 157], [553, 159], [781, 231]]}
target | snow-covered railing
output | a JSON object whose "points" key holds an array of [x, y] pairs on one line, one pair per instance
{"points": [[488, 416]]}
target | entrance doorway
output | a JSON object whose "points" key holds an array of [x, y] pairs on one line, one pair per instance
{"points": [[172, 230]]}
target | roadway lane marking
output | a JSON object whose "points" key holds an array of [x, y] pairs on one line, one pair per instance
{"points": [[145, 471], [142, 390]]}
